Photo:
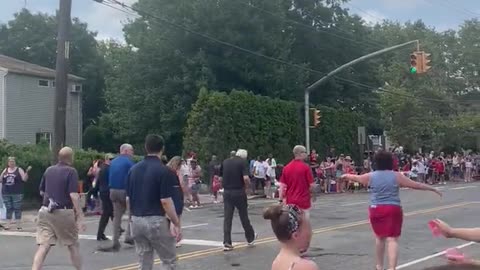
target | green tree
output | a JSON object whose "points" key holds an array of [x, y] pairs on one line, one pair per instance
{"points": [[162, 68]]}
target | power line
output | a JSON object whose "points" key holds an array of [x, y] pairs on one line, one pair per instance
{"points": [[273, 59], [449, 8], [466, 11], [114, 7], [364, 11], [316, 29]]}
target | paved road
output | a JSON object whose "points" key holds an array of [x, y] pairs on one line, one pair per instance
{"points": [[342, 238]]}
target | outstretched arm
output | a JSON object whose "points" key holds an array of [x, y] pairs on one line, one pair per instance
{"points": [[362, 179], [467, 234], [404, 181]]}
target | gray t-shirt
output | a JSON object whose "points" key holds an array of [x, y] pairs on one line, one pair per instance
{"points": [[57, 183]]}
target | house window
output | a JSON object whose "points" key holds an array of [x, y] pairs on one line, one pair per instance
{"points": [[76, 87], [53, 84], [44, 138], [43, 83]]}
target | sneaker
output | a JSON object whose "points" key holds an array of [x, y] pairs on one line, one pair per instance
{"points": [[252, 243], [114, 248], [227, 247], [102, 238], [129, 242]]}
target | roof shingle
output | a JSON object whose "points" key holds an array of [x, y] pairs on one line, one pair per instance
{"points": [[21, 67]]}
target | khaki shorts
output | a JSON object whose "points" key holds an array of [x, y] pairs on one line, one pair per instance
{"points": [[59, 226]]}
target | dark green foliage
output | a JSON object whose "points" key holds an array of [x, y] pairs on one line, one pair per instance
{"points": [[220, 122], [39, 157], [338, 129]]}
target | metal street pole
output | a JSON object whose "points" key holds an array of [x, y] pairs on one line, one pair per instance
{"points": [[333, 73], [61, 76]]}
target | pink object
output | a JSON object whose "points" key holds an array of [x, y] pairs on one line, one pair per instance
{"points": [[454, 254], [434, 228]]}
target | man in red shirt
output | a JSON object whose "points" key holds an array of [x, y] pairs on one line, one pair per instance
{"points": [[297, 181]]}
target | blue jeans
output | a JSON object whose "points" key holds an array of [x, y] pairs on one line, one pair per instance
{"points": [[13, 204]]}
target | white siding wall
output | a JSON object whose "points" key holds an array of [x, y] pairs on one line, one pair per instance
{"points": [[2, 103], [29, 110]]}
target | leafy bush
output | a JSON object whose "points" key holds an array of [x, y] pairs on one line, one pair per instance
{"points": [[220, 122], [40, 157]]}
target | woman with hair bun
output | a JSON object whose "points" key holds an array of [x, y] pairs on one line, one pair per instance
{"points": [[294, 233]]}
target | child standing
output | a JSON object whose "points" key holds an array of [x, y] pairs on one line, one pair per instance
{"points": [[216, 183], [468, 170]]}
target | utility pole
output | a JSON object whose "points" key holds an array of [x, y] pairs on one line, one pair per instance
{"points": [[61, 75], [333, 73]]}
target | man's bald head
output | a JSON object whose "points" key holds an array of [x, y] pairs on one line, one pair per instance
{"points": [[66, 155], [300, 152]]}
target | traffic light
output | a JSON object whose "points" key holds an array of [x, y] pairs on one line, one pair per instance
{"points": [[316, 117], [419, 62], [425, 61], [414, 63]]}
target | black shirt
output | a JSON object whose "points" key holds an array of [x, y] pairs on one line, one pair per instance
{"points": [[232, 171], [12, 182], [148, 182], [102, 180]]}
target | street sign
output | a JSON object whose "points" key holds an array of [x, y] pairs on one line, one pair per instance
{"points": [[362, 135]]}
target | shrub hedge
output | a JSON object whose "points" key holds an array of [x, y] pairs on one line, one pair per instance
{"points": [[40, 157], [221, 122]]}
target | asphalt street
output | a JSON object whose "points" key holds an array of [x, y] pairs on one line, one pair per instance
{"points": [[342, 237]]}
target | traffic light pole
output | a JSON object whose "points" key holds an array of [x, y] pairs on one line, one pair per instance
{"points": [[333, 73]]}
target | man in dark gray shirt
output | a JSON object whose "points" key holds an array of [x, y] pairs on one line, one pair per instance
{"points": [[60, 217]]}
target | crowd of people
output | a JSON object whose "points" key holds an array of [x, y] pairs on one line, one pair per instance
{"points": [[124, 186], [428, 168]]}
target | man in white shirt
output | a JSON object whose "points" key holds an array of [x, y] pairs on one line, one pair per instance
{"points": [[422, 169], [260, 168], [271, 175]]}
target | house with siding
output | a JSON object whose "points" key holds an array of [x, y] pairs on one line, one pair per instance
{"points": [[27, 94]]}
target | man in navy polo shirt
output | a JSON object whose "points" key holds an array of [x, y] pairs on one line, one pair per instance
{"points": [[150, 186]]}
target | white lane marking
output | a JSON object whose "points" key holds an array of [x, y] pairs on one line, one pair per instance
{"points": [[192, 242], [198, 242], [194, 225], [81, 236], [355, 203], [426, 258], [465, 187]]}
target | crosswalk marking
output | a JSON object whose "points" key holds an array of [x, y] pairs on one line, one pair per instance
{"points": [[464, 187], [191, 242]]}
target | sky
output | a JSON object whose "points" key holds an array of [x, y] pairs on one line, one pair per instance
{"points": [[107, 22]]}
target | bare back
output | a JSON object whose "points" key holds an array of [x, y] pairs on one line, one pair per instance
{"points": [[286, 262]]}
